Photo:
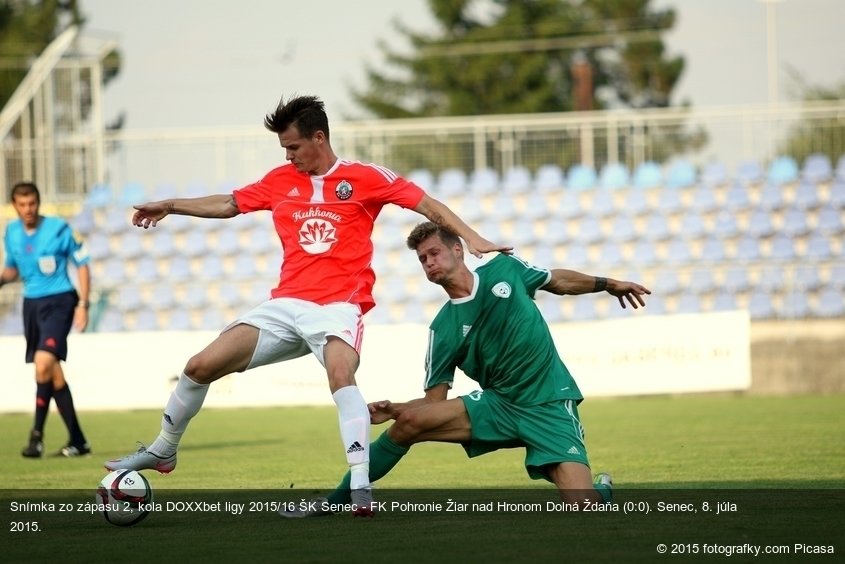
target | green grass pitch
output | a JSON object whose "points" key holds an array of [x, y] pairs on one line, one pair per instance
{"points": [[777, 460]]}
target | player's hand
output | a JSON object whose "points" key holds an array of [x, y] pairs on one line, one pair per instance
{"points": [[630, 291], [80, 318], [380, 411], [479, 246], [148, 215]]}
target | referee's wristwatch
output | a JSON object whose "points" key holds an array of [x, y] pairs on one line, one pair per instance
{"points": [[83, 304]]}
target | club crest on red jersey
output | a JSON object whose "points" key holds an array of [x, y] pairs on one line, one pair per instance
{"points": [[343, 190]]}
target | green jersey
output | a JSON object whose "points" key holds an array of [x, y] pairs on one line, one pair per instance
{"points": [[498, 337]]}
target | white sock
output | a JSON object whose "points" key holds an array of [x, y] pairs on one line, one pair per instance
{"points": [[185, 402], [354, 420]]}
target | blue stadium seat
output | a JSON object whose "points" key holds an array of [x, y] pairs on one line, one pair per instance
{"points": [[830, 303], [772, 279], [517, 180], [114, 272], [737, 197], [581, 177], [178, 268], [146, 269], [112, 321], [536, 206], [179, 320], [725, 225], [680, 174], [118, 221], [829, 220], [484, 181], [602, 204], [577, 256], [212, 319], [163, 243], [523, 232], [806, 196], [795, 305], [678, 251], [817, 168], [568, 206], [747, 248], [128, 298], [836, 198], [145, 320], [714, 174], [724, 301], [657, 227], [806, 278], [648, 174], [692, 225], [688, 303], [98, 246], [131, 245], [11, 323], [228, 296], [451, 182], [244, 266], [583, 309], [669, 200], [614, 176], [794, 223], [704, 200], [414, 312], [836, 277], [760, 305], [503, 208], [611, 255], [622, 229], [549, 178], [589, 230], [550, 307], [783, 247], [132, 194], [818, 247], [702, 281], [84, 222], [636, 202], [749, 172], [195, 244], [736, 280], [423, 178], [211, 268], [760, 224], [783, 170], [163, 296], [712, 249], [771, 198], [645, 253], [98, 197], [228, 244], [667, 283]]}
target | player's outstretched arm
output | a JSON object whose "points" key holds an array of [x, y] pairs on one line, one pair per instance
{"points": [[571, 282], [385, 410], [439, 213], [217, 206]]}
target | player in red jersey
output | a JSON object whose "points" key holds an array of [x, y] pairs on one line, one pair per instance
{"points": [[323, 209]]}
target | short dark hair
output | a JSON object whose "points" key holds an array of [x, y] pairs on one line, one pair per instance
{"points": [[426, 229], [25, 189], [306, 113]]}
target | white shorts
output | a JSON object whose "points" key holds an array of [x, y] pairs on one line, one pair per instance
{"points": [[289, 328]]}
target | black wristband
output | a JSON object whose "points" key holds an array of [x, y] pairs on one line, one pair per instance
{"points": [[601, 284]]}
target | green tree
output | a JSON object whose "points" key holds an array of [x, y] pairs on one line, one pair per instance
{"points": [[518, 56], [817, 136]]}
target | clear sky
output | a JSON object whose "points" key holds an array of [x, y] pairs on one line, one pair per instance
{"points": [[213, 63]]}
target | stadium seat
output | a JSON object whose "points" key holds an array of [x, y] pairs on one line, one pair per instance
{"points": [[212, 319], [536, 206], [783, 170], [648, 174], [680, 174], [111, 321], [772, 279], [714, 174], [836, 277], [747, 248], [795, 305], [195, 244], [523, 232], [611, 255], [829, 220], [178, 268], [244, 266], [692, 225], [179, 320], [817, 168], [760, 224], [771, 198], [99, 197], [517, 180], [737, 198], [211, 268], [669, 200], [128, 298], [712, 249], [794, 223], [725, 225], [550, 308], [145, 320], [502, 208], [701, 281], [614, 176], [806, 196], [656, 227], [114, 271], [818, 247], [667, 283], [678, 251], [162, 244], [84, 222], [736, 280], [549, 178], [688, 303], [132, 194], [228, 296], [783, 247], [589, 230], [11, 323], [622, 229], [423, 178], [98, 246], [704, 200], [577, 256], [760, 305], [196, 296], [146, 269], [568, 206], [806, 278], [636, 202], [131, 245], [836, 197], [830, 303], [163, 297], [451, 182], [581, 177], [583, 309], [749, 172], [484, 181], [601, 204], [117, 221], [644, 253], [724, 301]]}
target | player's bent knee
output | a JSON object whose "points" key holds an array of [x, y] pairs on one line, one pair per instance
{"points": [[200, 371]]}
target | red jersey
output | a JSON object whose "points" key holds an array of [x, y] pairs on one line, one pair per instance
{"points": [[325, 224]]}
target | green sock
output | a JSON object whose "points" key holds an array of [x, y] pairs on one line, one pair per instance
{"points": [[605, 492], [384, 455]]}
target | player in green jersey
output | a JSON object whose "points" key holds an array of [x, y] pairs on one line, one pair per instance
{"points": [[492, 330]]}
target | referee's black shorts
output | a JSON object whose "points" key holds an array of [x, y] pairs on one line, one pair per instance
{"points": [[47, 322]]}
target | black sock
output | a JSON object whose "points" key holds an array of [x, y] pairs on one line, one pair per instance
{"points": [[64, 401], [43, 395]]}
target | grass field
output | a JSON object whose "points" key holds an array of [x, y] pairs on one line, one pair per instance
{"points": [[779, 461]]}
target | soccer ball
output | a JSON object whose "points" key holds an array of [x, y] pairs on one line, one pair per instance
{"points": [[124, 497]]}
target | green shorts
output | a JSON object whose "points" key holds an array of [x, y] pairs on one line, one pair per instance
{"points": [[550, 432]]}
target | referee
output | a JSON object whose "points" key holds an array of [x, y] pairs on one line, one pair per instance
{"points": [[38, 249]]}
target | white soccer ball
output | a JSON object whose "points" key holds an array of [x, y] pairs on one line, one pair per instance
{"points": [[124, 497]]}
